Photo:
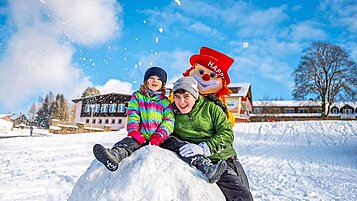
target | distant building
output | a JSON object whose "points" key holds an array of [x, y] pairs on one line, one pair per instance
{"points": [[103, 110], [20, 120], [240, 101], [301, 110], [5, 123]]}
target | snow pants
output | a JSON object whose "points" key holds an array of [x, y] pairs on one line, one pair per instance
{"points": [[233, 182]]}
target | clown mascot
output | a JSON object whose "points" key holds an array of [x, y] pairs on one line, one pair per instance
{"points": [[210, 69]]}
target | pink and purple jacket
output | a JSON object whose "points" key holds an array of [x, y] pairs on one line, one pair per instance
{"points": [[150, 113]]}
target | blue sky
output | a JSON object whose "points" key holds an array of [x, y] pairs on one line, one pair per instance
{"points": [[66, 46]]}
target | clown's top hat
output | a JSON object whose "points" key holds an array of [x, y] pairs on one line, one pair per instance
{"points": [[213, 60]]}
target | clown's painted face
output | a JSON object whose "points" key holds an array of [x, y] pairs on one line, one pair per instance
{"points": [[208, 81]]}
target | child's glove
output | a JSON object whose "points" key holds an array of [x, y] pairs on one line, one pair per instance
{"points": [[156, 139], [191, 149], [137, 136]]}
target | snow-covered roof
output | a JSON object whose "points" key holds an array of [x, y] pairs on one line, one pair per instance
{"points": [[55, 128], [17, 115], [67, 126], [295, 103], [341, 104], [243, 88], [107, 94], [3, 115]]}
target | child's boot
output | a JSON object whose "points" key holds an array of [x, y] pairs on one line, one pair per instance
{"points": [[110, 157], [212, 171]]}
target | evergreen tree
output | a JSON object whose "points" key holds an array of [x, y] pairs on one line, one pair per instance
{"points": [[44, 114], [60, 110]]}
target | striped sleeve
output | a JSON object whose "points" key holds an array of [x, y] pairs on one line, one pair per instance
{"points": [[167, 125], [133, 114]]}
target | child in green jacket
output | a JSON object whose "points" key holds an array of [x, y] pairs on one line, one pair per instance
{"points": [[202, 130]]}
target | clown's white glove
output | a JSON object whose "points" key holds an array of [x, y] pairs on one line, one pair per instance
{"points": [[191, 149]]}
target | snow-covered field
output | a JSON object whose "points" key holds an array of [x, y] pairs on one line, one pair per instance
{"points": [[312, 160]]}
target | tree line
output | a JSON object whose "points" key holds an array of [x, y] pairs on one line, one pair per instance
{"points": [[55, 107]]}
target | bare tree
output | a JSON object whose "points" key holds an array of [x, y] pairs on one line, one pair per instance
{"points": [[325, 73], [32, 112]]}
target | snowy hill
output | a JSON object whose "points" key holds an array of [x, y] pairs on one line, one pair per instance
{"points": [[284, 161], [151, 173]]}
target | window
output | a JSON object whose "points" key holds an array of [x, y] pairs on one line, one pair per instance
{"points": [[168, 91], [87, 108], [289, 110], [258, 110], [235, 89], [113, 121], [107, 121], [119, 121], [303, 111], [93, 121], [87, 121], [347, 111], [104, 108], [96, 108], [317, 110], [121, 107], [334, 111], [100, 121], [112, 108]]}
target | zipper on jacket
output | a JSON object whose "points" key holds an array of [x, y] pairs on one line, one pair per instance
{"points": [[190, 118]]}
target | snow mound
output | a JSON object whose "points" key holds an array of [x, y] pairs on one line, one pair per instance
{"points": [[150, 173]]}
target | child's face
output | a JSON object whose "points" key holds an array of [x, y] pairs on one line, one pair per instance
{"points": [[154, 83], [184, 102]]}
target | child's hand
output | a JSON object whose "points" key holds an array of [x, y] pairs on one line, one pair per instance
{"points": [[137, 136], [156, 139], [192, 149]]}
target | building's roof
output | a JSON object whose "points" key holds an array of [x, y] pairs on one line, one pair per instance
{"points": [[18, 115], [89, 97], [244, 88], [295, 103], [3, 115], [341, 104]]}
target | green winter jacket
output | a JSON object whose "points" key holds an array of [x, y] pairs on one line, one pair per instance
{"points": [[206, 123]]}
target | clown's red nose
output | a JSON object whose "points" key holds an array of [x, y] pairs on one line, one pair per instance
{"points": [[206, 77]]}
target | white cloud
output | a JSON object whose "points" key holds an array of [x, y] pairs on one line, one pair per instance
{"points": [[341, 13], [205, 30], [35, 61], [263, 66], [115, 86], [300, 30], [86, 22]]}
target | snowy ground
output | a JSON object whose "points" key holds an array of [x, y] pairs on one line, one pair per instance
{"points": [[284, 161]]}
